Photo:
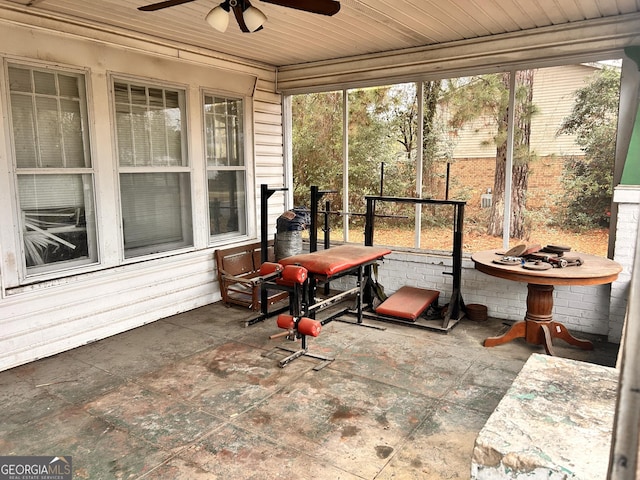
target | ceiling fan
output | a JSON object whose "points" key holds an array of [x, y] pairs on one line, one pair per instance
{"points": [[249, 18]]}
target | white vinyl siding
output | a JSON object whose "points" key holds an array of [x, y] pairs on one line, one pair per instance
{"points": [[553, 96], [44, 314]]}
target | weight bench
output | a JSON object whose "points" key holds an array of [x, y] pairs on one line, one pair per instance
{"points": [[301, 275], [332, 263]]}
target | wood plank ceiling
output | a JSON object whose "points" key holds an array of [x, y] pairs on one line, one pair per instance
{"points": [[362, 27]]}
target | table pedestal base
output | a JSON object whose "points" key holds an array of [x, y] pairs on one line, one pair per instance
{"points": [[538, 326]]}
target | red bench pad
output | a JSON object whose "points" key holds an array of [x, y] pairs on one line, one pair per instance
{"points": [[336, 259], [408, 302]]}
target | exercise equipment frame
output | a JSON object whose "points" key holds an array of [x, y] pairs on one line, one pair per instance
{"points": [[456, 309]]}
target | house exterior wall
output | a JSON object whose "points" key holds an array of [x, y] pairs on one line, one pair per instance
{"points": [[56, 313], [553, 96]]}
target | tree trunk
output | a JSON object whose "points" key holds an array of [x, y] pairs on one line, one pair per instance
{"points": [[521, 156], [520, 180], [496, 220], [431, 97]]}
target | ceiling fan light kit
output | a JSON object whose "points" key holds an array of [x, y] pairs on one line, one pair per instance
{"points": [[218, 18], [249, 18], [254, 18]]}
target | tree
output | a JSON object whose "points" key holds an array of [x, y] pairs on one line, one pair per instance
{"points": [[431, 144], [522, 157], [588, 181], [370, 144], [488, 96], [317, 143]]}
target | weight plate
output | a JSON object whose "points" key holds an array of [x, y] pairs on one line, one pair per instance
{"points": [[541, 256], [560, 249], [537, 266], [505, 261], [516, 251], [532, 249]]}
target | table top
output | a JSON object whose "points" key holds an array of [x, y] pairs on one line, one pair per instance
{"points": [[594, 270]]}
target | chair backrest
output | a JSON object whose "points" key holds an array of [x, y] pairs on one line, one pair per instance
{"points": [[238, 264], [242, 260], [257, 255]]}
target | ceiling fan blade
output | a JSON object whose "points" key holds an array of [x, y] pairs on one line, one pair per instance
{"points": [[161, 5], [237, 11], [323, 7]]}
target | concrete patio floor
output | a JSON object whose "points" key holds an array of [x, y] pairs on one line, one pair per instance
{"points": [[198, 396]]}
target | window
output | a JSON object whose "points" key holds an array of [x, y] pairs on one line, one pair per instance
{"points": [[226, 170], [155, 192], [54, 175]]}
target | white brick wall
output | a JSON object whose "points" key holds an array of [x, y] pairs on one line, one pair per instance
{"points": [[579, 308], [583, 309], [598, 309], [628, 200]]}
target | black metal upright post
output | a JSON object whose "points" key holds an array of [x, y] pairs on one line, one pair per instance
{"points": [[316, 196], [456, 303], [368, 221], [265, 194], [367, 293], [446, 191], [327, 225], [313, 232], [327, 237]]}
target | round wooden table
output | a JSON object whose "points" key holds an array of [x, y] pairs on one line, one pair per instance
{"points": [[538, 326]]}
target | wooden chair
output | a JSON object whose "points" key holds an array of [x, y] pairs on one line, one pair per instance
{"points": [[238, 275]]}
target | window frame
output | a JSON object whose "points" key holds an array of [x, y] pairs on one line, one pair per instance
{"points": [[188, 222], [24, 275], [247, 166]]}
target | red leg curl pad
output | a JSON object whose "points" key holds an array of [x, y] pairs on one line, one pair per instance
{"points": [[308, 326], [267, 268], [294, 274], [286, 321]]}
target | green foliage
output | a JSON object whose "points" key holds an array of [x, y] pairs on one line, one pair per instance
{"points": [[378, 133], [317, 143], [588, 180]]}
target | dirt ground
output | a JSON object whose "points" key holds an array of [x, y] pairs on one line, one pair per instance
{"points": [[593, 242]]}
